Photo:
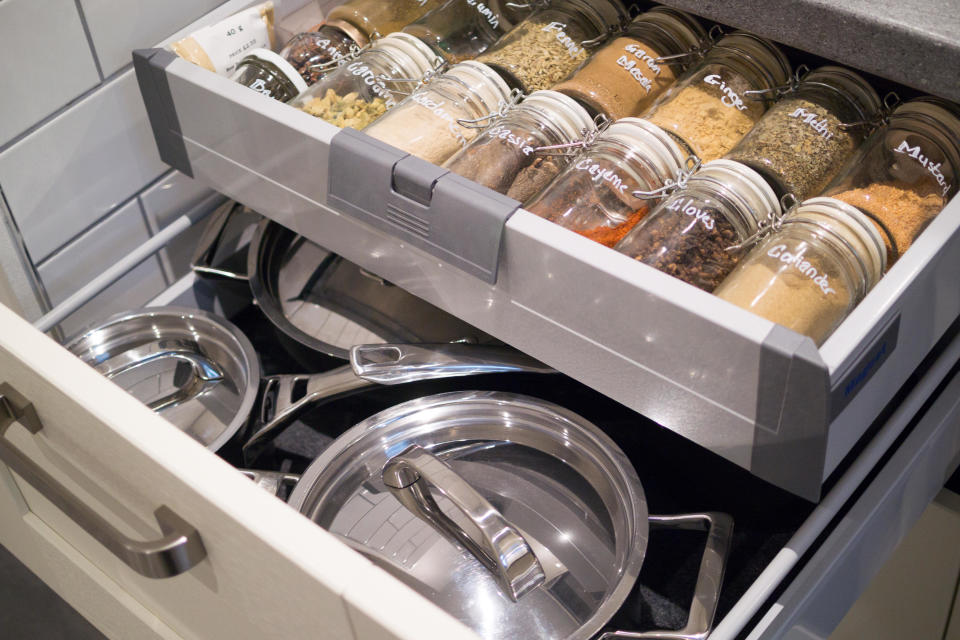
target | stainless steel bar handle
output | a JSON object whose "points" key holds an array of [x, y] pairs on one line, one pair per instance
{"points": [[496, 543], [180, 548], [706, 597], [400, 363]]}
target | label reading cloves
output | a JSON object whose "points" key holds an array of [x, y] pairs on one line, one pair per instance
{"points": [[688, 208]]}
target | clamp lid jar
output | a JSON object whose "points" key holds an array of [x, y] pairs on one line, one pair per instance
{"points": [[377, 18], [595, 194], [813, 271], [905, 173], [553, 41], [804, 139], [268, 73], [506, 156], [709, 108], [315, 53], [696, 233], [426, 124], [463, 29], [624, 77], [362, 89]]}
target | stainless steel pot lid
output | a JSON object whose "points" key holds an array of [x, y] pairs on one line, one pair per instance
{"points": [[574, 523], [195, 369]]}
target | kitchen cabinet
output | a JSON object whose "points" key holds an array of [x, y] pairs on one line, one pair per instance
{"points": [[872, 463]]}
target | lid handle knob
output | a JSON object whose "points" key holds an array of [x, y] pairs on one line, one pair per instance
{"points": [[493, 541]]}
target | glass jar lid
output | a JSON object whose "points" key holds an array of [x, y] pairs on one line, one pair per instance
{"points": [[855, 228], [764, 56], [284, 67], [851, 86], [742, 185], [405, 47], [358, 36], [605, 15], [482, 81], [649, 141], [680, 28], [561, 111]]}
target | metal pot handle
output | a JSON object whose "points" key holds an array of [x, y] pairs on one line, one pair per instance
{"points": [[203, 255], [203, 371], [497, 544], [719, 527], [400, 363]]}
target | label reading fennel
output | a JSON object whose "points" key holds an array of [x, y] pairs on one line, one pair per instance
{"points": [[574, 50], [798, 261]]}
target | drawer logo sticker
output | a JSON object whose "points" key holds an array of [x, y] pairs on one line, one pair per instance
{"points": [[847, 388]]}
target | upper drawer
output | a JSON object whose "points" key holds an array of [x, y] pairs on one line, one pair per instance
{"points": [[758, 394]]}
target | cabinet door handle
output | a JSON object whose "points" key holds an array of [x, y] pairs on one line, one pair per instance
{"points": [[177, 551]]}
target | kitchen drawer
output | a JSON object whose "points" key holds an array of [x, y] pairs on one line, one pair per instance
{"points": [[759, 395], [265, 569], [271, 573]]}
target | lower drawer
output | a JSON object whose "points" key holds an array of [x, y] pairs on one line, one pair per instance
{"points": [[270, 573]]}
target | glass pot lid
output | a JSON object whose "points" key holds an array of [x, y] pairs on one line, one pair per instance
{"points": [[516, 516]]}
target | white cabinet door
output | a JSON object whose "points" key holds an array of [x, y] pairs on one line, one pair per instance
{"points": [[267, 571]]}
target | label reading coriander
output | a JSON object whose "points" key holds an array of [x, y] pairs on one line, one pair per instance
{"points": [[798, 261]]}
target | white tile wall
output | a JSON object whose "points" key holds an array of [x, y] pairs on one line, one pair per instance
{"points": [[74, 170], [45, 61], [98, 248], [119, 26]]}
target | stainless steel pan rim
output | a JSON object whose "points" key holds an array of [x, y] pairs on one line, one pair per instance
{"points": [[223, 346], [442, 422]]}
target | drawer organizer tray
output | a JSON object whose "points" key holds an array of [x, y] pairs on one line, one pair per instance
{"points": [[756, 393]]}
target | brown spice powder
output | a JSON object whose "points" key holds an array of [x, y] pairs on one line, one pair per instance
{"points": [[905, 212], [609, 236]]}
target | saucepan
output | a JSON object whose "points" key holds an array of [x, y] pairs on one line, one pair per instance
{"points": [[201, 373], [516, 516], [320, 303]]}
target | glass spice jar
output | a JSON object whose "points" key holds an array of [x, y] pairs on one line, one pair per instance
{"points": [[811, 273], [802, 141], [708, 108], [377, 18], [266, 72], [314, 53], [624, 77], [695, 233], [362, 89], [594, 195], [425, 123], [463, 29], [504, 156], [906, 172], [553, 41]]}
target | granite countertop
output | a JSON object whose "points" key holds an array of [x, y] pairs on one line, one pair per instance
{"points": [[909, 41]]}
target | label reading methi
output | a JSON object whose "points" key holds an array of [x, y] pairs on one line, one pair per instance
{"points": [[688, 208], [227, 42], [574, 50], [820, 125], [934, 168], [798, 261], [730, 97]]}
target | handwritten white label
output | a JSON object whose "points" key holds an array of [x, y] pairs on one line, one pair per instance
{"points": [[500, 132], [574, 50], [632, 64], [687, 207], [599, 174], [730, 97], [820, 125], [935, 168], [486, 12], [372, 80], [260, 86], [436, 108], [800, 263]]}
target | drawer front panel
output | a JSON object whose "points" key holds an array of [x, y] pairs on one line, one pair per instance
{"points": [[268, 572]]}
